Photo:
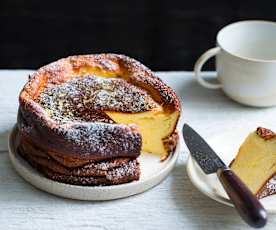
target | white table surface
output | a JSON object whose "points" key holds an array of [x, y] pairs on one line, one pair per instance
{"points": [[174, 204]]}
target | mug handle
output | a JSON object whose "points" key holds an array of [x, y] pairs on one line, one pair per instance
{"points": [[198, 65]]}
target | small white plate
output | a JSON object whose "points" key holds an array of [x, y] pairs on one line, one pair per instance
{"points": [[152, 173], [226, 145]]}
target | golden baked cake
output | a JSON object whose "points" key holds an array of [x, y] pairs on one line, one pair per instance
{"points": [[255, 163], [85, 119]]}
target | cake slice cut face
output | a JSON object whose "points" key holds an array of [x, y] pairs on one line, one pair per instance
{"points": [[155, 126], [255, 163]]}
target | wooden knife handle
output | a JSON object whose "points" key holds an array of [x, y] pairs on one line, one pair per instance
{"points": [[247, 205]]}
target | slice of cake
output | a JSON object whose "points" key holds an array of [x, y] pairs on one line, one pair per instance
{"points": [[255, 162]]}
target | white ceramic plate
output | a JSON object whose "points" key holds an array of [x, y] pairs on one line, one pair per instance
{"points": [[152, 173], [226, 145]]}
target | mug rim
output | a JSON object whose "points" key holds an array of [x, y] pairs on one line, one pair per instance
{"points": [[240, 56]]}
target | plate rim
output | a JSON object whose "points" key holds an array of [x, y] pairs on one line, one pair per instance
{"points": [[25, 171], [214, 196]]}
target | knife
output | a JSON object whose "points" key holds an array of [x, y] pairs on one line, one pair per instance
{"points": [[248, 206]]}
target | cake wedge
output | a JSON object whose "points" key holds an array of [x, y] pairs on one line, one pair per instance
{"points": [[255, 162]]}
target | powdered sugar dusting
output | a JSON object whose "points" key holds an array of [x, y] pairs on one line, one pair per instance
{"points": [[120, 172], [269, 188], [85, 99], [102, 138], [272, 184]]}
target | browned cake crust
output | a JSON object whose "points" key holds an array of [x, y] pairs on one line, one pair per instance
{"points": [[113, 171], [78, 143], [264, 133], [170, 143], [61, 118]]}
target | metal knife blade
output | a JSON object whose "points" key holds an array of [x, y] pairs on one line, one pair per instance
{"points": [[204, 155]]}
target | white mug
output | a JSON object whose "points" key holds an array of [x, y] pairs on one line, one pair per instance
{"points": [[245, 62]]}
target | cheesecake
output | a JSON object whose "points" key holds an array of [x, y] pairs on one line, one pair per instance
{"points": [[86, 119], [255, 162]]}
